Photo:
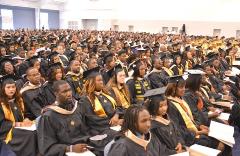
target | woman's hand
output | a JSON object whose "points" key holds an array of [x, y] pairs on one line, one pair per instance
{"points": [[179, 148], [114, 120], [202, 127]]}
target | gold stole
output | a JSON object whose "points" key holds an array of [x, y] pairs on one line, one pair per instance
{"points": [[125, 102], [204, 92], [180, 70], [169, 71], [9, 116], [187, 116], [99, 108], [137, 140]]}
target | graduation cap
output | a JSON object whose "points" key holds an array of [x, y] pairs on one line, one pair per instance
{"points": [[175, 79], [7, 77], [154, 96], [91, 72], [212, 55], [195, 72], [209, 61], [6, 58], [141, 49], [155, 92]]}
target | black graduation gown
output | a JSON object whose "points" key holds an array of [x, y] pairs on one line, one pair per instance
{"points": [[217, 83], [175, 69], [188, 136], [126, 147], [224, 64], [174, 114], [200, 116], [105, 76], [156, 80], [5, 150], [98, 125], [56, 131], [137, 88], [167, 134], [24, 142], [46, 95], [76, 85], [32, 109]]}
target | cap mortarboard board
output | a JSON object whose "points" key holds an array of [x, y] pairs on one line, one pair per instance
{"points": [[6, 59], [141, 49], [91, 72], [175, 79], [209, 61], [155, 92], [195, 72], [212, 55], [7, 77]]}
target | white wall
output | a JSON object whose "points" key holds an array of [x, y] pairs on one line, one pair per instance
{"points": [[200, 17]]}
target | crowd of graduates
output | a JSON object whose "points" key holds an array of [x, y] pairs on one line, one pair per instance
{"points": [[77, 86]]}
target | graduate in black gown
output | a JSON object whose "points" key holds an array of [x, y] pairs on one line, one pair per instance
{"points": [[46, 94], [136, 138], [138, 84], [166, 71], [109, 63], [179, 111], [61, 128], [73, 77], [162, 126], [98, 107], [29, 91], [177, 67], [7, 66], [22, 142], [156, 78], [194, 99], [118, 88]]}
